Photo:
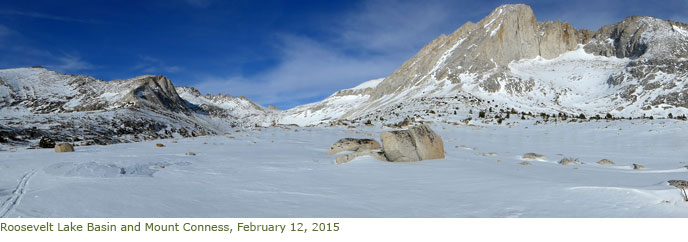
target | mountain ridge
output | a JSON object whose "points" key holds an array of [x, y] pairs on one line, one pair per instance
{"points": [[476, 61]]}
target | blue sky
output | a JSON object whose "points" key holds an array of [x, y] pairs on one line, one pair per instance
{"points": [[274, 52]]}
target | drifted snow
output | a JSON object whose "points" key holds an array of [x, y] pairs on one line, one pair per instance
{"points": [[368, 84], [287, 174]]}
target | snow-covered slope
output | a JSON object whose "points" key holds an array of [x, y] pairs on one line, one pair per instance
{"points": [[509, 61], [278, 172], [335, 106]]}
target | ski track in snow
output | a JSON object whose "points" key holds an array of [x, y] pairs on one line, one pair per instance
{"points": [[16, 196]]}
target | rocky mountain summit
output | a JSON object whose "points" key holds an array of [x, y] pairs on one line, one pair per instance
{"points": [[633, 68]]}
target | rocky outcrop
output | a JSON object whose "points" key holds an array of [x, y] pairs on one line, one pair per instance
{"points": [[635, 36], [157, 91], [509, 33], [415, 144]]}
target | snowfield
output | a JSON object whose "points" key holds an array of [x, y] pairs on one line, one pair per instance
{"points": [[284, 172]]}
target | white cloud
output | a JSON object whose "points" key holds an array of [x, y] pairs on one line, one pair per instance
{"points": [[70, 63]]}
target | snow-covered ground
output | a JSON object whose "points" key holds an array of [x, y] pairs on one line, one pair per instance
{"points": [[279, 172]]}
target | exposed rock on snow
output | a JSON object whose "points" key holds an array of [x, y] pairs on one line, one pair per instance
{"points": [[566, 161], [64, 147], [605, 162], [159, 145], [351, 144], [415, 144], [638, 166], [190, 154], [682, 185], [534, 156]]}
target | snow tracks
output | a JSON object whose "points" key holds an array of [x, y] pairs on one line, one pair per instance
{"points": [[16, 196]]}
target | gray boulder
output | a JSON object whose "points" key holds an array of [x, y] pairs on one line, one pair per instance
{"points": [[415, 144]]}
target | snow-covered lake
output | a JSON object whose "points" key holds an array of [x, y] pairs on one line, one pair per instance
{"points": [[280, 172]]}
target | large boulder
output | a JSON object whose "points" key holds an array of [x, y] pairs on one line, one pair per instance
{"points": [[415, 144], [351, 144], [64, 147]]}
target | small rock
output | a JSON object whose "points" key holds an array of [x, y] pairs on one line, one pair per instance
{"points": [[525, 163], [190, 154], [64, 147], [605, 162], [680, 184], [534, 156], [566, 161], [637, 166], [202, 133], [159, 145]]}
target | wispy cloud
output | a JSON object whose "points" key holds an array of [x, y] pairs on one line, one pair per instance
{"points": [[367, 43], [4, 32], [152, 65], [47, 16], [13, 45], [70, 63]]}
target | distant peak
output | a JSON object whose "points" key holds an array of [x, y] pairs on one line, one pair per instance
{"points": [[512, 8]]}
